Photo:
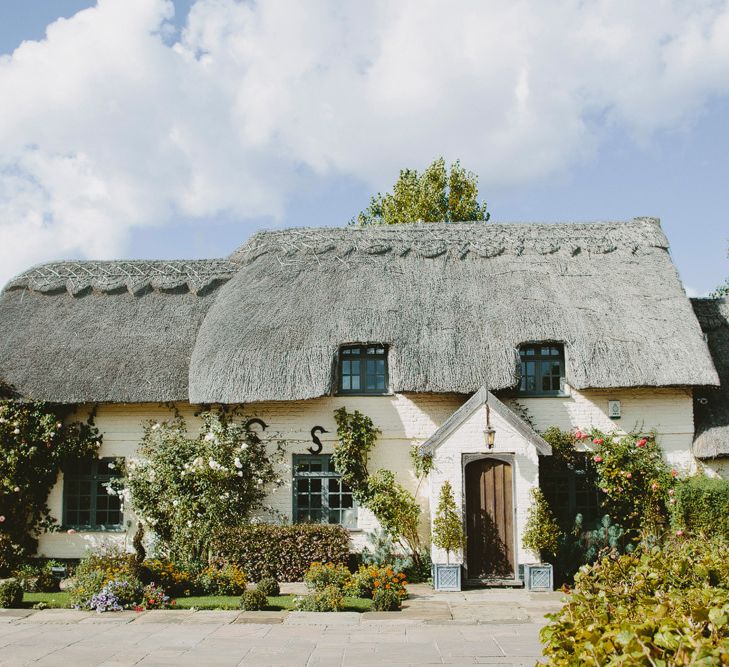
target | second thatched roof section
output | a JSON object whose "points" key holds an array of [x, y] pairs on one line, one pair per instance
{"points": [[711, 406], [453, 302]]}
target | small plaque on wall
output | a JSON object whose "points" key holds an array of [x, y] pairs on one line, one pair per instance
{"points": [[614, 410]]}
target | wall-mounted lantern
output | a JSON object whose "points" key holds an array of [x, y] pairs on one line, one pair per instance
{"points": [[490, 432]]}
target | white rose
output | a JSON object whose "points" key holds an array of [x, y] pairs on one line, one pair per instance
{"points": [[17, 431], [209, 436], [237, 463], [240, 473], [244, 446]]}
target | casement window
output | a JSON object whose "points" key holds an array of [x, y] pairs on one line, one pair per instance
{"points": [[87, 505], [320, 496], [363, 369], [542, 369], [570, 490]]}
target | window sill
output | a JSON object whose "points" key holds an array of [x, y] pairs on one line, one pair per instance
{"points": [[358, 393], [561, 394], [89, 529]]}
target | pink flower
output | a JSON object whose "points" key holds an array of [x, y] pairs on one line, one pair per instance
{"points": [[604, 490], [71, 531], [598, 441], [641, 443], [597, 458], [2, 518], [578, 434], [679, 533], [629, 475], [674, 473], [655, 486]]}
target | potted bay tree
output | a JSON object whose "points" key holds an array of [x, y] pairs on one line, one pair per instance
{"points": [[447, 535]]}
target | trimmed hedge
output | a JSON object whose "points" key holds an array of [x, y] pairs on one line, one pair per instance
{"points": [[702, 506], [283, 552]]}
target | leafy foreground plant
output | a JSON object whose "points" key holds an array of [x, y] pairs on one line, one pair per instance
{"points": [[661, 606]]}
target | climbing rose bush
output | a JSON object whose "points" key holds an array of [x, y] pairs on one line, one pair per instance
{"points": [[35, 444], [187, 489]]}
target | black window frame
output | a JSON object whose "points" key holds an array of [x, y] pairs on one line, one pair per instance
{"points": [[324, 476], [363, 354], [534, 353], [95, 481], [570, 489]]}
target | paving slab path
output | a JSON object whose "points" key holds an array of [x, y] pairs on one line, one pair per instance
{"points": [[468, 628]]}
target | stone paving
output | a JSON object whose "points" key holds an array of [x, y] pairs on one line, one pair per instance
{"points": [[472, 627]]}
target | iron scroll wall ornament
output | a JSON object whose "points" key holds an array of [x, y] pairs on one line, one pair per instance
{"points": [[315, 439], [253, 434]]}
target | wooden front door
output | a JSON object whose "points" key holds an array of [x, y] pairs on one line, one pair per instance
{"points": [[489, 520]]}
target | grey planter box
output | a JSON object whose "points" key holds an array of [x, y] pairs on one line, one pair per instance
{"points": [[538, 576], [447, 577]]}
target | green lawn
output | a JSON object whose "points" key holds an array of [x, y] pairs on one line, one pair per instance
{"points": [[62, 600]]}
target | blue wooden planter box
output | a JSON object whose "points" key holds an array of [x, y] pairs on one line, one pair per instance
{"points": [[538, 577], [446, 577]]}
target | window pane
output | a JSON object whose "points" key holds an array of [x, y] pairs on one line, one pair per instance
{"points": [[321, 495], [346, 382], [355, 382]]}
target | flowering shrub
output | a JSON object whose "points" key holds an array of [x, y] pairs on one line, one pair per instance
{"points": [[35, 443], [656, 606], [284, 552], [36, 578], [371, 578], [253, 600], [154, 597], [98, 569], [169, 576], [186, 489], [222, 579], [116, 595], [321, 575], [329, 598]]}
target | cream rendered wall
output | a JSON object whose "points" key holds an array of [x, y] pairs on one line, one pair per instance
{"points": [[469, 439], [404, 419], [668, 411]]}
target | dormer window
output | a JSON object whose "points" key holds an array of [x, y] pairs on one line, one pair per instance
{"points": [[363, 369], [542, 369]]}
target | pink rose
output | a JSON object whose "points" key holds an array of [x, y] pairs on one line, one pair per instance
{"points": [[578, 434], [679, 533], [604, 490], [598, 441], [597, 458], [2, 518], [674, 473], [71, 531], [641, 443], [629, 475], [655, 486]]}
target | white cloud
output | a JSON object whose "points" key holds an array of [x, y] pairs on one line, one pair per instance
{"points": [[109, 124]]}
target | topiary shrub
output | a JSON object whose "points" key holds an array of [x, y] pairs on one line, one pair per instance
{"points": [[386, 599], [542, 533], [11, 594], [284, 552], [701, 505], [328, 599], [268, 586], [253, 600]]}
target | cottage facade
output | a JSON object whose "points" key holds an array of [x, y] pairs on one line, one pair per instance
{"points": [[463, 339]]}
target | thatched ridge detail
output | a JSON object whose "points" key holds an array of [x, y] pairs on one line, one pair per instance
{"points": [[711, 405]]}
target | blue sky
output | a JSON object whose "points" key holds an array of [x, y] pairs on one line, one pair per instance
{"points": [[129, 136]]}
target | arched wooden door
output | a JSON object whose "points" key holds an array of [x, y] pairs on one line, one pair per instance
{"points": [[489, 520]]}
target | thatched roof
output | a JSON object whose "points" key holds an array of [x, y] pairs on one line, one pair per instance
{"points": [[711, 405], [105, 331], [453, 302]]}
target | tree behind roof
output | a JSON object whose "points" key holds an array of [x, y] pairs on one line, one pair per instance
{"points": [[436, 195]]}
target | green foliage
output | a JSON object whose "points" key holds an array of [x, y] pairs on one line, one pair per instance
{"points": [[11, 594], [606, 536], [37, 577], [328, 599], [356, 436], [701, 505], [395, 507], [254, 600], [186, 489], [322, 575], [284, 552], [721, 291], [386, 600], [542, 532], [176, 580], [433, 196], [221, 578], [35, 444], [656, 606], [382, 551], [99, 569], [269, 587], [448, 531]]}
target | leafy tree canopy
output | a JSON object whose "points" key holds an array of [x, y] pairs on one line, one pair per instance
{"points": [[436, 195]]}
